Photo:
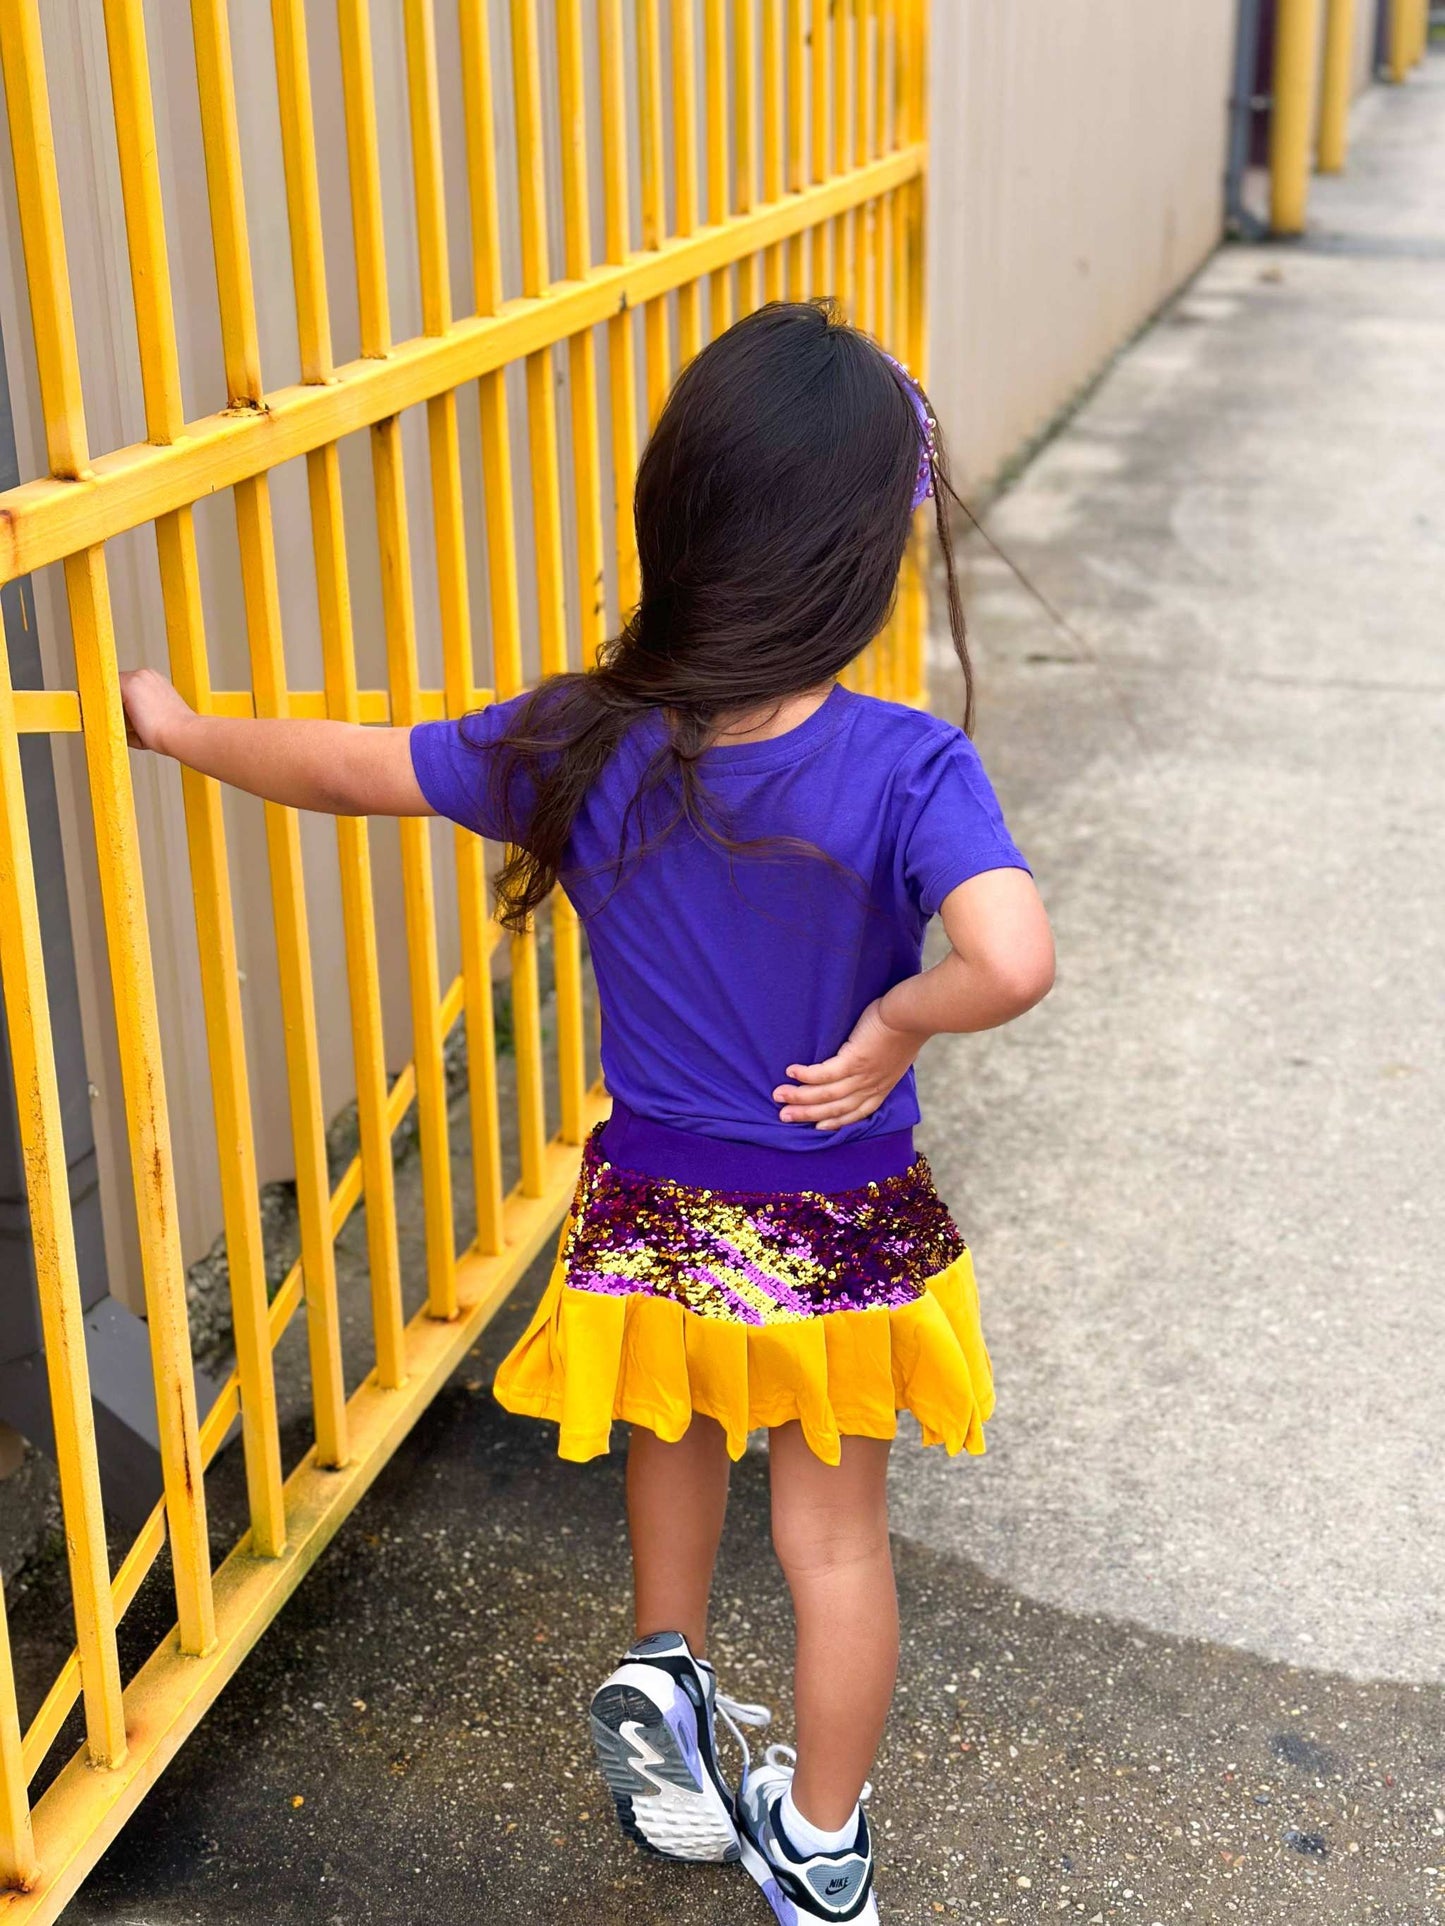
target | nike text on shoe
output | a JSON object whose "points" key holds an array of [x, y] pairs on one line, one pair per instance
{"points": [[801, 1887], [653, 1728]]}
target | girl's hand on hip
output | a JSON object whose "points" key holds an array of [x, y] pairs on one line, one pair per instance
{"points": [[154, 710], [852, 1084]]}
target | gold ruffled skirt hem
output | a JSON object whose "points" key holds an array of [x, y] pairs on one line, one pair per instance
{"points": [[589, 1358]]}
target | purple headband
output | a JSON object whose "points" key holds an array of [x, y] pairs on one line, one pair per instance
{"points": [[927, 430]]}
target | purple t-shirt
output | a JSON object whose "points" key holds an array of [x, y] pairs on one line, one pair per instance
{"points": [[715, 975]]}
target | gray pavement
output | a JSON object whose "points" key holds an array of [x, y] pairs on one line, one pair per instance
{"points": [[1205, 1178], [1175, 1650]]}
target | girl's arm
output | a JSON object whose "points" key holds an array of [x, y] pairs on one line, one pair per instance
{"points": [[1000, 963], [339, 768]]}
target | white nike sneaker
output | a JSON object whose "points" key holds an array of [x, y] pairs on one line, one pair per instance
{"points": [[801, 1887], [653, 1725]]}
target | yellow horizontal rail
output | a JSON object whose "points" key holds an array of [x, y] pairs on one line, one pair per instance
{"points": [[42, 521], [56, 712], [83, 1810], [45, 1727]]}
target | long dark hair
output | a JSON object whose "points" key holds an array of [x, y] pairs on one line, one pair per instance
{"points": [[773, 504]]}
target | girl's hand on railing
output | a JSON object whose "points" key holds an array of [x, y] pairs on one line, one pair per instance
{"points": [[340, 768], [154, 711], [850, 1085]]}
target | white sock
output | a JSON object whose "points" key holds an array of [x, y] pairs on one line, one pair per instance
{"points": [[809, 1838]]}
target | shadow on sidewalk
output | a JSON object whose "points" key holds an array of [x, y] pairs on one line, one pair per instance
{"points": [[408, 1743]]}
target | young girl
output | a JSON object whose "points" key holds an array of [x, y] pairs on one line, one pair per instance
{"points": [[756, 853]]}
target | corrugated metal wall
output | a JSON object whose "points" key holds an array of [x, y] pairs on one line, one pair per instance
{"points": [[1076, 179]]}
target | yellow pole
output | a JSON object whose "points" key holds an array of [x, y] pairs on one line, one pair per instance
{"points": [[1296, 56], [1335, 87], [1402, 37], [18, 1865]]}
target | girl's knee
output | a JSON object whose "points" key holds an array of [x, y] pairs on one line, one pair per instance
{"points": [[811, 1540]]}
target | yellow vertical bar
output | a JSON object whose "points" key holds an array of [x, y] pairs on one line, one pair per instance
{"points": [[898, 199], [426, 161], [621, 364], [338, 657], [403, 673], [261, 592], [844, 225], [205, 827], [363, 161], [225, 191], [303, 193], [230, 1087], [587, 498], [1335, 85], [547, 507], [37, 187], [501, 539], [144, 218], [872, 676], [505, 619], [819, 108], [772, 32], [684, 169], [113, 807], [745, 142], [18, 1864], [399, 617], [656, 351], [887, 141], [715, 70], [581, 349], [872, 668], [916, 637], [1402, 37], [1296, 67], [313, 327], [895, 682], [866, 149], [358, 926], [52, 1236], [796, 63], [138, 1035], [240, 342], [459, 683]]}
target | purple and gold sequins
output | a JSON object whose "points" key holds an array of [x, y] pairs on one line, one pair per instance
{"points": [[757, 1257]]}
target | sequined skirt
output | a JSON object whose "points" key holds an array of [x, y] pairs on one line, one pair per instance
{"points": [[838, 1309]]}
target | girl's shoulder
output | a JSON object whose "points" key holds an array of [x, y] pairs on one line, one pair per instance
{"points": [[908, 739], [938, 806]]}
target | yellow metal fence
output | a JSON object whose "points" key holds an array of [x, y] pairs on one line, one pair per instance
{"points": [[795, 167]]}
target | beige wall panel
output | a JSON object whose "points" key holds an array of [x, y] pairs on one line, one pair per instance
{"points": [[1077, 173]]}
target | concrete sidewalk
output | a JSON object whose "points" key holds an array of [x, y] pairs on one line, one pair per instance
{"points": [[1206, 1177], [1175, 1648]]}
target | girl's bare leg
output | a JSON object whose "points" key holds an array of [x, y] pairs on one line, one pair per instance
{"points": [[830, 1531], [677, 1497]]}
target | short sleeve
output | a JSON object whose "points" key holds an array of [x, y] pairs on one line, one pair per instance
{"points": [[456, 767], [950, 824]]}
